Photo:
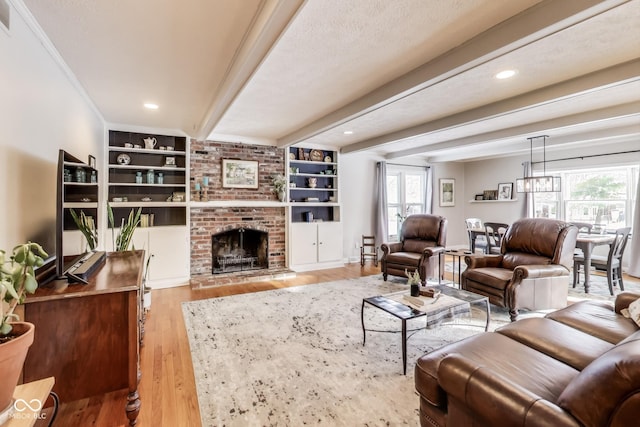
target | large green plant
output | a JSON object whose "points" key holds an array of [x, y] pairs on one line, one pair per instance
{"points": [[122, 241], [17, 277]]}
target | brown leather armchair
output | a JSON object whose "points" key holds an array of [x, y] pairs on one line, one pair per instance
{"points": [[422, 237], [532, 270]]}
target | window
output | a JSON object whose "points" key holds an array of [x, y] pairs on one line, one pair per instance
{"points": [[604, 197], [405, 196]]}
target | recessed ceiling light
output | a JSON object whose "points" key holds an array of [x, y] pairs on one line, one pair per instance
{"points": [[348, 132], [505, 74], [151, 106]]}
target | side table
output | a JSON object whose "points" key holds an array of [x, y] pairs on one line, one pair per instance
{"points": [[456, 254]]}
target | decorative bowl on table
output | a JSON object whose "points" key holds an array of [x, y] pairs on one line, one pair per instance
{"points": [[429, 292]]}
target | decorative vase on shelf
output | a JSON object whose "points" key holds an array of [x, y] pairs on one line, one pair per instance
{"points": [[282, 195], [313, 182]]}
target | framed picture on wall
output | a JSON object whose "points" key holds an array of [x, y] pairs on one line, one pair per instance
{"points": [[239, 173], [505, 190], [92, 161], [447, 192]]}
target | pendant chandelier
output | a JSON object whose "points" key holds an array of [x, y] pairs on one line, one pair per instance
{"points": [[538, 184]]}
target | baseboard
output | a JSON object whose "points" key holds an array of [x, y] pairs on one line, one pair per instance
{"points": [[318, 266], [168, 283]]}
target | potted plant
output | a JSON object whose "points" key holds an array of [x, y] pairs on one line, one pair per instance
{"points": [[414, 282], [122, 241], [127, 228], [87, 227], [280, 186], [17, 278]]}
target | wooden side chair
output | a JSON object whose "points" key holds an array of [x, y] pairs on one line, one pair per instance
{"points": [[494, 232], [479, 241], [368, 249], [612, 262]]}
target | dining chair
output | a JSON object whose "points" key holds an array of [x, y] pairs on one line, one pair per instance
{"points": [[481, 241], [494, 232], [612, 262]]}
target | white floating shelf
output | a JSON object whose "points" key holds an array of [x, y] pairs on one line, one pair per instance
{"points": [[493, 201]]}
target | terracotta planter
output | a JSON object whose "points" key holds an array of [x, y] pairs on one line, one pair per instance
{"points": [[12, 355]]}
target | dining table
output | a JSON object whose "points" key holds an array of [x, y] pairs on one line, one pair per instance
{"points": [[586, 243]]}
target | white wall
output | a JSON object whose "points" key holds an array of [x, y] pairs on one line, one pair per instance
{"points": [[456, 232], [357, 183], [42, 111], [486, 175]]}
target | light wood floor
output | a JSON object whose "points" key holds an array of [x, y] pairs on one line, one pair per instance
{"points": [[167, 388]]}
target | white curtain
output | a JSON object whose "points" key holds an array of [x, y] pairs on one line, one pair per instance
{"points": [[382, 216], [428, 197], [528, 197], [634, 259]]}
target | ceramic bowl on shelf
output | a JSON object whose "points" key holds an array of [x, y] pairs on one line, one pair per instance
{"points": [[116, 199], [316, 155], [146, 199]]}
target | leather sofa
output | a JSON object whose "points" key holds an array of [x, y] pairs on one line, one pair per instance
{"points": [[422, 237], [532, 269], [577, 366]]}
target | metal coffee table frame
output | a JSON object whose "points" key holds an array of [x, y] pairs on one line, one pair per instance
{"points": [[405, 312]]}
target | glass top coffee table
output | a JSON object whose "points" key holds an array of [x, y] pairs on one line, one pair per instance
{"points": [[455, 304]]}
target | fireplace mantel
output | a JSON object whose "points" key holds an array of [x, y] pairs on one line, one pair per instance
{"points": [[238, 204], [255, 204]]}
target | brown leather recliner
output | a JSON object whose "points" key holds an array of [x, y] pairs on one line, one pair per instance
{"points": [[422, 237], [532, 270]]}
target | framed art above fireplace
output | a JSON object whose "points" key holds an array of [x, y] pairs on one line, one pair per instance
{"points": [[239, 173]]}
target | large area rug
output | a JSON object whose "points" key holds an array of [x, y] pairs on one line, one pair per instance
{"points": [[294, 356]]}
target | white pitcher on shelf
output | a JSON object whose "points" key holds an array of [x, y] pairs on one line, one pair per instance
{"points": [[149, 143]]}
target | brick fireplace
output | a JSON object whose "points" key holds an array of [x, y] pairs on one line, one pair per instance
{"points": [[227, 209]]}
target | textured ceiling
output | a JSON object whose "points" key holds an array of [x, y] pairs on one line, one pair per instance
{"points": [[408, 77]]}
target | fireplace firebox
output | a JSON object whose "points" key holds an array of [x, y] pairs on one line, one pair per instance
{"points": [[239, 249]]}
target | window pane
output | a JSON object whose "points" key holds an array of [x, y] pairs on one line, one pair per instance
{"points": [[600, 185], [603, 197], [393, 211], [415, 209], [393, 189], [413, 191], [546, 205], [546, 210]]}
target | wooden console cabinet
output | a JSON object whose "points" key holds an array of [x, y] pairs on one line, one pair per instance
{"points": [[88, 336]]}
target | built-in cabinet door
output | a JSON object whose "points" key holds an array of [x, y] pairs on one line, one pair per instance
{"points": [[170, 249], [329, 241], [304, 243]]}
